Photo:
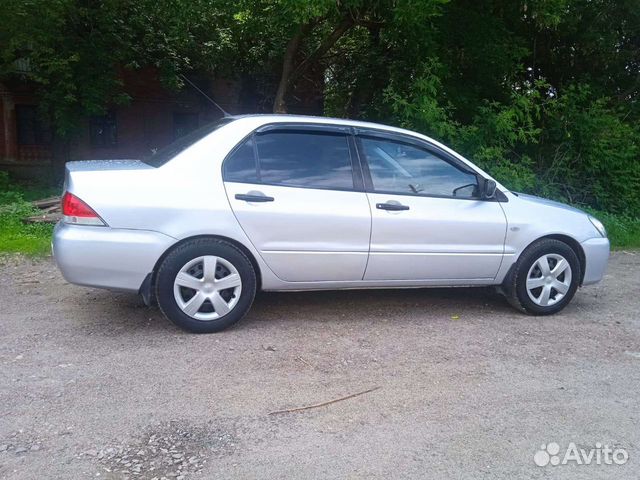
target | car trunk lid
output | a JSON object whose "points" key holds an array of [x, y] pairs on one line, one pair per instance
{"points": [[109, 187]]}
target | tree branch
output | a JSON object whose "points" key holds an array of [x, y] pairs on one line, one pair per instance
{"points": [[317, 405], [337, 33], [370, 24]]}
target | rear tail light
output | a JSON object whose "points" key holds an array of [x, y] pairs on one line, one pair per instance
{"points": [[78, 212]]}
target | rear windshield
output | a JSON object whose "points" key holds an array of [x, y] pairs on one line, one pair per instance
{"points": [[162, 156]]}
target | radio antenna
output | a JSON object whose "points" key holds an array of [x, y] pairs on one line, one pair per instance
{"points": [[224, 112]]}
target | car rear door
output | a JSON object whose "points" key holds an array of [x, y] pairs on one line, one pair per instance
{"points": [[427, 222], [299, 199]]}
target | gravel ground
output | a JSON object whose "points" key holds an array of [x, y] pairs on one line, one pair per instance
{"points": [[94, 384]]}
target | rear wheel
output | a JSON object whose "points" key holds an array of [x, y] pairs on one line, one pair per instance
{"points": [[545, 278], [205, 285]]}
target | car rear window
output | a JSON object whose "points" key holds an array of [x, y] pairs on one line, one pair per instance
{"points": [[163, 155]]}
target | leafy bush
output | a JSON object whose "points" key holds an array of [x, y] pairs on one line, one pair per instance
{"points": [[8, 194], [590, 153], [571, 147], [16, 236], [492, 139]]}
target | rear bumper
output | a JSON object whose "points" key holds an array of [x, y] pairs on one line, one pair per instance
{"points": [[107, 257], [596, 252]]}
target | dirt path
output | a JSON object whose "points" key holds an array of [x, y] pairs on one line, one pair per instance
{"points": [[93, 384]]}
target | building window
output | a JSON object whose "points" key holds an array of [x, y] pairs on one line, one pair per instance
{"points": [[184, 123], [104, 131], [30, 127]]}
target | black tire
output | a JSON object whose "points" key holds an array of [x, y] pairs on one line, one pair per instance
{"points": [[188, 251], [515, 285]]}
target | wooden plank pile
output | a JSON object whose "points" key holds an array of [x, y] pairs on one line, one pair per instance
{"points": [[50, 211]]}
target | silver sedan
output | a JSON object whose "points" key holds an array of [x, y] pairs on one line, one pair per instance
{"points": [[277, 202]]}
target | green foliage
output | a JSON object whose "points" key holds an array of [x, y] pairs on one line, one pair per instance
{"points": [[623, 230], [74, 51], [69, 50], [421, 108], [543, 94], [15, 236], [571, 147], [496, 135], [591, 154], [491, 139], [506, 86]]}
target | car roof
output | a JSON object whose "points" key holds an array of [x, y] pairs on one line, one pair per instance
{"points": [[278, 117], [267, 118]]}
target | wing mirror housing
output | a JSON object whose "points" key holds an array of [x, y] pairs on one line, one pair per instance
{"points": [[486, 187]]}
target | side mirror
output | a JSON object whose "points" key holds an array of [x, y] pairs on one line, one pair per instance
{"points": [[489, 189], [486, 187]]}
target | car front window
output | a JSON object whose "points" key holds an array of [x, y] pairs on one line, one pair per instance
{"points": [[401, 168]]}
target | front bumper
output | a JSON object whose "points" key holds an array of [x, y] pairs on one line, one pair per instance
{"points": [[596, 252], [107, 257]]}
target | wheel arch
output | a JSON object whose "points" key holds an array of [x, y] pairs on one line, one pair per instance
{"points": [[570, 241], [576, 247], [147, 288]]}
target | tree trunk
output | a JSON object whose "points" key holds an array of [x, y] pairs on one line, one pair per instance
{"points": [[279, 104], [289, 75]]}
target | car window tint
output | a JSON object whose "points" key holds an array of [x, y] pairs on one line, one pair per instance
{"points": [[401, 168], [241, 165], [157, 158], [302, 159]]}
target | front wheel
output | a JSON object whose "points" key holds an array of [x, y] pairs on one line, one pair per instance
{"points": [[205, 285], [545, 278]]}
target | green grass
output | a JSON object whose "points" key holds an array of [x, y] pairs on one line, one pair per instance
{"points": [[27, 239], [15, 236], [623, 230]]}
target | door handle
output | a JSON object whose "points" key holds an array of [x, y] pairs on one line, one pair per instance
{"points": [[392, 206], [247, 197]]}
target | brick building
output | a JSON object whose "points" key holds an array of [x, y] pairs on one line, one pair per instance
{"points": [[153, 118]]}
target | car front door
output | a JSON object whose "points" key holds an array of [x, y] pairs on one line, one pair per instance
{"points": [[295, 194], [428, 223]]}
